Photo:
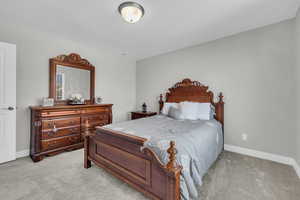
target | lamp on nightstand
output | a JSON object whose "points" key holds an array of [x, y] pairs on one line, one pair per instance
{"points": [[144, 106]]}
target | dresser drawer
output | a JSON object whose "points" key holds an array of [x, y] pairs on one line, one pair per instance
{"points": [[60, 132], [60, 123], [96, 110], [95, 120], [59, 113], [94, 124], [60, 142], [100, 123], [98, 117]]}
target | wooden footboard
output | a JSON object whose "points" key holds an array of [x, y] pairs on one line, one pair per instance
{"points": [[123, 156]]}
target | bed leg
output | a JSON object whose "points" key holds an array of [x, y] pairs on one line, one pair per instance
{"points": [[87, 162]]}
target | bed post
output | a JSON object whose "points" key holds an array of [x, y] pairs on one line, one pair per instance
{"points": [[173, 189], [220, 112], [87, 162], [220, 109], [161, 103], [172, 151]]}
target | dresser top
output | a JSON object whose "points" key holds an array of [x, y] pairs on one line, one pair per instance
{"points": [[69, 106]]}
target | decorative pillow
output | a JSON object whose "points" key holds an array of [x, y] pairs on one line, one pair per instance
{"points": [[175, 113], [167, 106], [190, 110]]}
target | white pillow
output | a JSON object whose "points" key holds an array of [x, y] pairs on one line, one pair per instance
{"points": [[205, 111], [167, 106], [189, 110], [175, 113], [195, 111]]}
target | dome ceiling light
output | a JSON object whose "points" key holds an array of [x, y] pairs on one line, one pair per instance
{"points": [[131, 12]]}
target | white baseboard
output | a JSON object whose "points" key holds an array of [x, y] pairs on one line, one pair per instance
{"points": [[266, 156], [21, 154], [259, 154], [296, 167]]}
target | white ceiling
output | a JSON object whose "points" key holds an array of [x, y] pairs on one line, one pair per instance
{"points": [[166, 26]]}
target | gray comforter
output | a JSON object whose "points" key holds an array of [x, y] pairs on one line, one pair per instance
{"points": [[198, 143]]}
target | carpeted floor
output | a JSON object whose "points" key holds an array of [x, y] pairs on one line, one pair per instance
{"points": [[233, 177]]}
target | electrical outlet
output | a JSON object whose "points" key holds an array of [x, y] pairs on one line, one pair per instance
{"points": [[129, 116], [244, 137]]}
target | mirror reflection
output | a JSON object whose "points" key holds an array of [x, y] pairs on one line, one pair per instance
{"points": [[72, 82]]}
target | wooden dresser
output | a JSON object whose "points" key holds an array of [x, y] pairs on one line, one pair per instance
{"points": [[60, 128]]}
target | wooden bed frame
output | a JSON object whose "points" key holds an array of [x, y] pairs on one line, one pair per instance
{"points": [[122, 154]]}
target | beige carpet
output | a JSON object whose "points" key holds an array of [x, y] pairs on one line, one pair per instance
{"points": [[233, 177]]}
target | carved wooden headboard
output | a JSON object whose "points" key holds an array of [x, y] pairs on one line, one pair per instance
{"points": [[194, 91]]}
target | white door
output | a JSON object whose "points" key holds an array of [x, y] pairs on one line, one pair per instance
{"points": [[7, 102]]}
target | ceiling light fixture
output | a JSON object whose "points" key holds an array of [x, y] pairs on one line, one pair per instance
{"points": [[131, 12]]}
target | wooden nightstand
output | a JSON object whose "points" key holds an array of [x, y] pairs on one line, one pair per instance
{"points": [[140, 114]]}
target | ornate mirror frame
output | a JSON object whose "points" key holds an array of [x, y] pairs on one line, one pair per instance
{"points": [[72, 60]]}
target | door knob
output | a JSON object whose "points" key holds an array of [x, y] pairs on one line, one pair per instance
{"points": [[10, 108]]}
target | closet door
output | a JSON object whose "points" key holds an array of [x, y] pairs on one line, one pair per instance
{"points": [[7, 102]]}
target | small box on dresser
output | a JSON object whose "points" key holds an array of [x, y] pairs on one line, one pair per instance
{"points": [[59, 128]]}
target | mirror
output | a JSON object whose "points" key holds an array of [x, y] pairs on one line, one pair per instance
{"points": [[72, 82], [71, 77]]}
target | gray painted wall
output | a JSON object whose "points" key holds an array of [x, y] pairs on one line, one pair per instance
{"points": [[297, 53], [254, 70], [115, 74]]}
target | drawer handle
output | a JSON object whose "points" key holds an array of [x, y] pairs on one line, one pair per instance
{"points": [[54, 130]]}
